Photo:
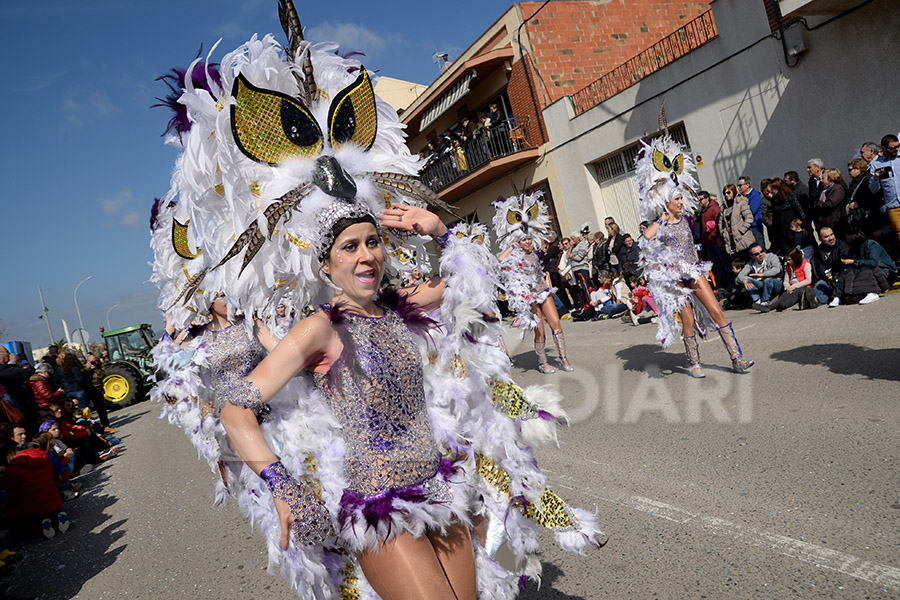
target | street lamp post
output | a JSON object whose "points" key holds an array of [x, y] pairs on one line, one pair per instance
{"points": [[107, 316], [78, 311]]}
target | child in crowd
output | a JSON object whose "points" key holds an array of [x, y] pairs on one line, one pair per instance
{"points": [[61, 469], [802, 238], [736, 298], [34, 502], [643, 308]]}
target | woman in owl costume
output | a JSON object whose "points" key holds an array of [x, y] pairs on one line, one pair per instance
{"points": [[383, 428], [522, 224], [675, 275]]}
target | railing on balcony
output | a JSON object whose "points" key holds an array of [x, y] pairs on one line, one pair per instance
{"points": [[455, 162], [675, 45]]}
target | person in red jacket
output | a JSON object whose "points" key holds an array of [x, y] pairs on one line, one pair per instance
{"points": [[44, 396], [33, 498]]}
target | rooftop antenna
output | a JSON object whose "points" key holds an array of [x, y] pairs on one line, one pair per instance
{"points": [[441, 59]]}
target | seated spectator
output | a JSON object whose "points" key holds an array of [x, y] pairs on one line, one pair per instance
{"points": [[44, 397], [621, 298], [642, 309], [61, 469], [797, 282], [33, 501], [861, 276], [828, 264], [632, 255], [89, 446], [801, 238], [761, 276]]}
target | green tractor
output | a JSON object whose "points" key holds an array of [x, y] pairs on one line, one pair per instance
{"points": [[129, 364]]}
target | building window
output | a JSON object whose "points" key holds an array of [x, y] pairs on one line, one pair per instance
{"points": [[622, 161]]}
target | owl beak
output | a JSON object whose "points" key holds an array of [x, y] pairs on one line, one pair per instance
{"points": [[674, 177], [332, 179]]}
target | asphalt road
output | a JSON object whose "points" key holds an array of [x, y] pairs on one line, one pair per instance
{"points": [[781, 483]]}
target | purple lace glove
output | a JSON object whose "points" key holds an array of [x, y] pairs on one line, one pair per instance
{"points": [[312, 523]]}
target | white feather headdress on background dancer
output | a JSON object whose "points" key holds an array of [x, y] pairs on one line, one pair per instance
{"points": [[277, 144], [516, 218], [665, 170]]}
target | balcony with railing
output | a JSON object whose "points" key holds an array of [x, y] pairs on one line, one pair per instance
{"points": [[457, 169], [672, 47]]}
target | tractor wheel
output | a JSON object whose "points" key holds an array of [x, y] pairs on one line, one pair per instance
{"points": [[121, 387]]}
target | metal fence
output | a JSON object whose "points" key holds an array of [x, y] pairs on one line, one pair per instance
{"points": [[455, 162], [672, 47]]}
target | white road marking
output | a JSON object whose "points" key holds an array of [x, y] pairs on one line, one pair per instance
{"points": [[826, 558]]}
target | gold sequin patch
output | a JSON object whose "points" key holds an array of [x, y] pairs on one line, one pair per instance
{"points": [[180, 241], [254, 188], [271, 127], [347, 587], [220, 189], [295, 240], [458, 367], [510, 399], [353, 116]]}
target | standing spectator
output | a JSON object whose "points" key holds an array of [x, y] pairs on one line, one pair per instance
{"points": [[774, 241], [884, 172], [579, 257], [550, 265], [712, 241], [797, 281], [632, 255], [869, 151], [615, 243], [754, 201], [599, 257], [828, 264], [495, 116], [735, 221], [801, 191], [73, 380], [815, 167], [15, 380], [95, 376], [785, 208], [863, 205], [761, 277], [830, 205]]}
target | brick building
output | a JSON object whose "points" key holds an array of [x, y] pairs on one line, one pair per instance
{"points": [[533, 55]]}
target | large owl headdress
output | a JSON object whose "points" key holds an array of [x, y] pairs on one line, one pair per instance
{"points": [[664, 170], [272, 138], [522, 215], [474, 232]]}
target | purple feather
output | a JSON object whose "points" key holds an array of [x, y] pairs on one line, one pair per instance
{"points": [[154, 214], [175, 81]]}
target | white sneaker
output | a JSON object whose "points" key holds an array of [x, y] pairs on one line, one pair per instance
{"points": [[834, 302], [869, 299]]}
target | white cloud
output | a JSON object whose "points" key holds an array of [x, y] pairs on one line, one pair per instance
{"points": [[353, 37], [131, 219], [112, 206]]}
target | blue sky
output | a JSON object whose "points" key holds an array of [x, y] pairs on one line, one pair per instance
{"points": [[82, 157]]}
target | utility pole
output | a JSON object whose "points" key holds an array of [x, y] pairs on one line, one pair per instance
{"points": [[46, 316]]}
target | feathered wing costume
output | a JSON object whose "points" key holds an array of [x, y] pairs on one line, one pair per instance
{"points": [[276, 144], [516, 218], [669, 259]]}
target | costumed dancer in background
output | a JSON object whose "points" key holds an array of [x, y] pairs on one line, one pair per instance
{"points": [[279, 143], [675, 275], [522, 224]]}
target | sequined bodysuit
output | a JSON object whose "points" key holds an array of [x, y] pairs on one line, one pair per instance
{"points": [[680, 240], [376, 392], [233, 354]]}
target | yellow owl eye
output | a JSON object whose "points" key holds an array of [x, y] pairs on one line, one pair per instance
{"points": [[513, 217], [678, 164], [179, 240], [479, 239], [271, 127], [661, 162], [460, 234], [532, 212], [352, 116]]}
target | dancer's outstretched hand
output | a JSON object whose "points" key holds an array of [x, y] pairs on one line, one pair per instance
{"points": [[413, 218]]}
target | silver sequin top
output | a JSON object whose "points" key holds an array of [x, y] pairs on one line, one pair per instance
{"points": [[679, 238], [233, 354], [380, 403]]}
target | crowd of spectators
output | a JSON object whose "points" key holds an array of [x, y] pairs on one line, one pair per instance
{"points": [[787, 243], [48, 438]]}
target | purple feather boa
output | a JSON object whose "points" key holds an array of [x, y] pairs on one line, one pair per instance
{"points": [[175, 81], [377, 509]]}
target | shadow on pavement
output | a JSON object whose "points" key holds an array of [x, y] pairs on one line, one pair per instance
{"points": [[58, 568], [656, 362], [546, 592], [117, 420], [846, 359]]}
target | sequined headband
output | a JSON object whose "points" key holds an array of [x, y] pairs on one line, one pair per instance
{"points": [[326, 220]]}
